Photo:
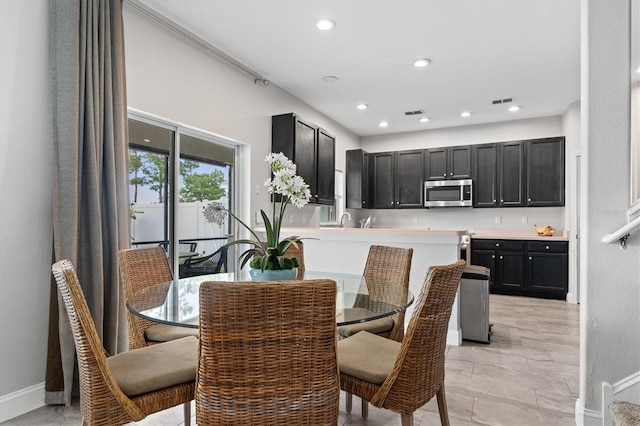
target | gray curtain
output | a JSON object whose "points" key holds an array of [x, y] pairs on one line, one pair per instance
{"points": [[90, 181]]}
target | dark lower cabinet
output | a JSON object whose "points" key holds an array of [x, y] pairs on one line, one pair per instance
{"points": [[548, 267], [524, 268]]}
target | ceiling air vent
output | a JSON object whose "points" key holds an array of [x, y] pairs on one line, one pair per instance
{"points": [[501, 101], [416, 112]]}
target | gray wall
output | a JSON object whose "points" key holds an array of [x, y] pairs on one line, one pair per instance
{"points": [[26, 223], [610, 314]]}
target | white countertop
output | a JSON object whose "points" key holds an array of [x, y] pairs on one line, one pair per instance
{"points": [[418, 235], [518, 234]]}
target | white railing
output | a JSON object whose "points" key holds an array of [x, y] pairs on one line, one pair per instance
{"points": [[623, 233]]}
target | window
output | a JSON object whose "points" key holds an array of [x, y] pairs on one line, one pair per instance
{"points": [[169, 193], [330, 215]]}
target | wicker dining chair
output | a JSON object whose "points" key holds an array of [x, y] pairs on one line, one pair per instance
{"points": [[387, 276], [127, 387], [267, 353], [403, 376], [141, 269]]}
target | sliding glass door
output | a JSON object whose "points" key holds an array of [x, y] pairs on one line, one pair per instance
{"points": [[177, 179]]}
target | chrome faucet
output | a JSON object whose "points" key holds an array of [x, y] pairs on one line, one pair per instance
{"points": [[342, 218]]}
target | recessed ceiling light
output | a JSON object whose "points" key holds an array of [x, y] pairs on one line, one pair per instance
{"points": [[362, 106], [421, 63], [146, 140], [325, 24], [514, 108], [425, 119], [465, 114], [329, 78], [383, 124]]}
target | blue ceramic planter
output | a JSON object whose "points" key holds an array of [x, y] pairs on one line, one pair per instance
{"points": [[273, 275]]}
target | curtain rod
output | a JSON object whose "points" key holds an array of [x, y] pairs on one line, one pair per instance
{"points": [[195, 39]]}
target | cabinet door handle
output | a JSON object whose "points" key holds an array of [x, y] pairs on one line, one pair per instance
{"points": [[493, 256], [451, 174], [547, 247], [530, 258], [444, 175], [528, 199], [502, 201], [497, 244], [501, 257], [494, 201]]}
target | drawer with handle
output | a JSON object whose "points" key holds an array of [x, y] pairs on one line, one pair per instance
{"points": [[548, 247]]}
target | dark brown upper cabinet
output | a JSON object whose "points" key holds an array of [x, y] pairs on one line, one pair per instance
{"points": [[357, 179], [545, 172], [519, 174], [312, 149], [484, 160], [511, 176], [448, 163], [397, 179]]}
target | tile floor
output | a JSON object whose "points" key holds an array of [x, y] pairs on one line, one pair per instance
{"points": [[528, 375]]}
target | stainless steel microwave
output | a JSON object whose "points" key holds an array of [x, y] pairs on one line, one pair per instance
{"points": [[448, 193]]}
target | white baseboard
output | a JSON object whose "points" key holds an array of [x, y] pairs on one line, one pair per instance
{"points": [[21, 401], [586, 417], [454, 337], [572, 298]]}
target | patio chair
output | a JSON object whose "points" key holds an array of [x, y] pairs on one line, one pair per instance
{"points": [[123, 388], [214, 263]]}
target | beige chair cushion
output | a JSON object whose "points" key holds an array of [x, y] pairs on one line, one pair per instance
{"points": [[376, 326], [155, 367], [367, 356], [165, 333]]}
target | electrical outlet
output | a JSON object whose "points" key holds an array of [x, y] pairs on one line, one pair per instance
{"points": [[525, 219], [373, 219], [258, 217], [290, 218], [304, 218], [415, 220], [498, 220], [257, 189]]}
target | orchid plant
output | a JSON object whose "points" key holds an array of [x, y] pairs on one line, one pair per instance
{"points": [[292, 190]]}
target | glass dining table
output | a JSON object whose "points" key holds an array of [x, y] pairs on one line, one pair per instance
{"points": [[176, 302]]}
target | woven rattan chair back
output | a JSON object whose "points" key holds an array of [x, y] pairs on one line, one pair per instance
{"points": [[418, 372], [298, 253], [139, 270], [387, 274], [267, 353], [101, 400]]}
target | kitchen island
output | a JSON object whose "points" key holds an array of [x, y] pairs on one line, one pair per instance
{"points": [[346, 249]]}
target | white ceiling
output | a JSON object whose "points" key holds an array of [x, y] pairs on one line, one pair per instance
{"points": [[481, 50]]}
